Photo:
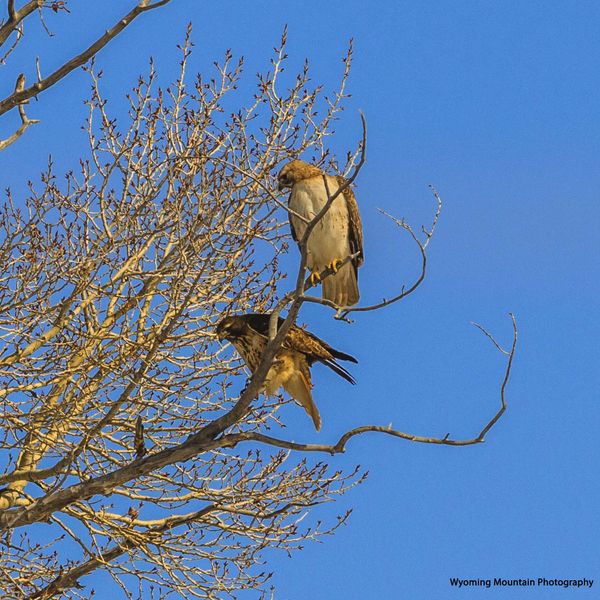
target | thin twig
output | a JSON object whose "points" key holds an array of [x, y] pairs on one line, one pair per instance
{"points": [[343, 311]]}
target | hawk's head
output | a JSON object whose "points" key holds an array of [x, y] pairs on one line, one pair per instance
{"points": [[231, 328], [296, 170]]}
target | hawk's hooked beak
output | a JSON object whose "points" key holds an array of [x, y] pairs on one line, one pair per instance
{"points": [[283, 182], [221, 331], [226, 330]]}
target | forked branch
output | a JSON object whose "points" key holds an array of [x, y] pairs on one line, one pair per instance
{"points": [[342, 312], [22, 94], [25, 120]]}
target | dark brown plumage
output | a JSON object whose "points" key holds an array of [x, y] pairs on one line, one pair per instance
{"points": [[249, 335]]}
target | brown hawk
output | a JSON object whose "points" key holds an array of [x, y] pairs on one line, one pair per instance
{"points": [[249, 335], [337, 235]]}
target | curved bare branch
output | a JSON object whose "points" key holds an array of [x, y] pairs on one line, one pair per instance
{"points": [[340, 445]]}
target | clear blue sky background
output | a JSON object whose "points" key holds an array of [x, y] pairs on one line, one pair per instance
{"points": [[497, 104]]}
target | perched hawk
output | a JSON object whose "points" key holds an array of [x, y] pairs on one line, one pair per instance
{"points": [[337, 235], [249, 335]]}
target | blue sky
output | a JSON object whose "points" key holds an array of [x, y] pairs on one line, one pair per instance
{"points": [[497, 105]]}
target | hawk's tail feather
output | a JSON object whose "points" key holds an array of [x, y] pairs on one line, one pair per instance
{"points": [[342, 288], [298, 387], [337, 368], [341, 355]]}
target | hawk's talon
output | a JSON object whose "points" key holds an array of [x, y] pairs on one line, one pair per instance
{"points": [[314, 278], [335, 265]]}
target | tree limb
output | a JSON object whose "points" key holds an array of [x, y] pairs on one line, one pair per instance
{"points": [[69, 579], [25, 120], [11, 9], [18, 98], [15, 18], [204, 440]]}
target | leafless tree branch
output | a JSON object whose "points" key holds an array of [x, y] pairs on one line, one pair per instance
{"points": [[25, 120], [15, 18], [23, 94], [11, 10]]}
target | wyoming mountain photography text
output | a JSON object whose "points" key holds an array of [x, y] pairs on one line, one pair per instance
{"points": [[529, 582]]}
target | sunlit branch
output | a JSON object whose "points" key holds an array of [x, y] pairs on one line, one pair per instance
{"points": [[343, 312], [19, 97], [25, 120], [15, 18]]}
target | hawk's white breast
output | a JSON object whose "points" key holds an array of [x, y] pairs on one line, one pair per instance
{"points": [[329, 239]]}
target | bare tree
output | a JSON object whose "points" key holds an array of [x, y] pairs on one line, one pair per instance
{"points": [[122, 430], [12, 33]]}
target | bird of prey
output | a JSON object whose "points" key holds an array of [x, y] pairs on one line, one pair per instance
{"points": [[249, 335], [337, 235]]}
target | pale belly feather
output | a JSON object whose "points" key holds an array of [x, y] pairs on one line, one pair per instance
{"points": [[281, 370], [329, 239]]}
